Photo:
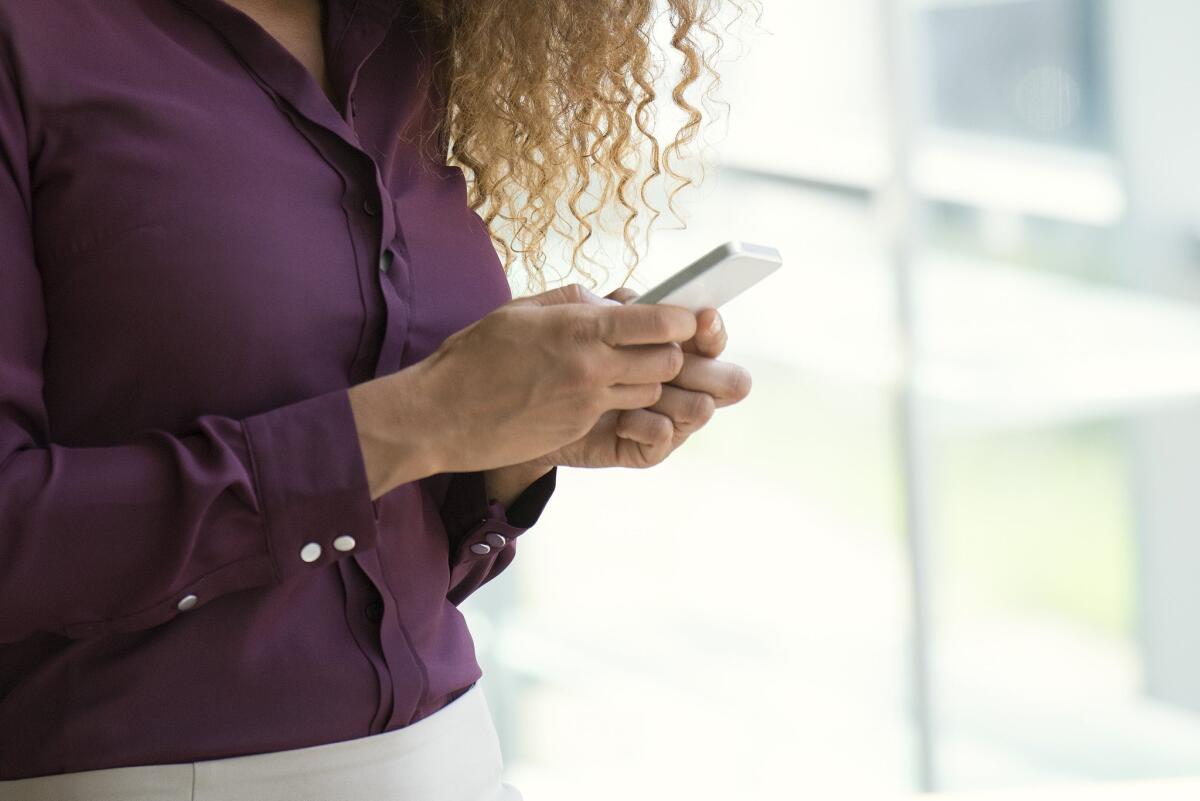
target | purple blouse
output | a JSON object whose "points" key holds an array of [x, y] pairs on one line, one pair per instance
{"points": [[199, 255]]}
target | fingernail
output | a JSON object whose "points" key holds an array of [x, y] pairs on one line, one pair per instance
{"points": [[715, 326]]}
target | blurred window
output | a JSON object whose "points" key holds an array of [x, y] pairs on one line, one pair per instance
{"points": [[736, 623]]}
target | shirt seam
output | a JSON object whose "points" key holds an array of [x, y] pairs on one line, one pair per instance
{"points": [[420, 662], [358, 645], [118, 618], [258, 496]]}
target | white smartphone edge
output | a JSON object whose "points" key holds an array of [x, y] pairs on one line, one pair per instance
{"points": [[707, 262]]}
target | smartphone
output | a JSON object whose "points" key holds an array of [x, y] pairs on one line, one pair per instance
{"points": [[716, 278]]}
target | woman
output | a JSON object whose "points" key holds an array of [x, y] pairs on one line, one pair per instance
{"points": [[268, 411]]}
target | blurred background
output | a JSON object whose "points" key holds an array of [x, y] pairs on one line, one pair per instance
{"points": [[950, 541]]}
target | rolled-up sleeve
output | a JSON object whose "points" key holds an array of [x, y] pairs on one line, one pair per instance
{"points": [[126, 536]]}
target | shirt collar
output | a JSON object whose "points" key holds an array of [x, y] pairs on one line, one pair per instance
{"points": [[353, 30]]}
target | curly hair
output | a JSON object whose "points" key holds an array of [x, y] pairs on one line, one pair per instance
{"points": [[550, 113]]}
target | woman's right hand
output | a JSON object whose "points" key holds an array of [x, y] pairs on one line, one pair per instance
{"points": [[532, 376]]}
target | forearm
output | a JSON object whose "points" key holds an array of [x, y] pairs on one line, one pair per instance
{"points": [[393, 433], [399, 444]]}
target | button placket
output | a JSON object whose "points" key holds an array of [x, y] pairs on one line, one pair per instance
{"points": [[396, 293]]}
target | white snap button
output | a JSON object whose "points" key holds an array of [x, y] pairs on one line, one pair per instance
{"points": [[344, 543], [481, 549], [310, 552], [187, 602], [496, 539]]}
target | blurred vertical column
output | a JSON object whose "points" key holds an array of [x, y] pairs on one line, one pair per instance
{"points": [[1155, 82], [901, 217]]}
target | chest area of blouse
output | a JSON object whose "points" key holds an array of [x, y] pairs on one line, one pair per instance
{"points": [[185, 209]]}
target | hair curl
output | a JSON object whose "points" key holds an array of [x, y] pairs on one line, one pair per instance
{"points": [[550, 112]]}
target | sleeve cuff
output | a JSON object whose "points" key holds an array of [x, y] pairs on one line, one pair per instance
{"points": [[312, 482], [527, 507], [466, 505]]}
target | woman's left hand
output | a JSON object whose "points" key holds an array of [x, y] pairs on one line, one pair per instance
{"points": [[644, 437]]}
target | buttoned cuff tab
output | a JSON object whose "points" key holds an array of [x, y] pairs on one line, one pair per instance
{"points": [[312, 482], [489, 541], [466, 505]]}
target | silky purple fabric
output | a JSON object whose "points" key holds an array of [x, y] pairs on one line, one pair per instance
{"points": [[199, 255]]}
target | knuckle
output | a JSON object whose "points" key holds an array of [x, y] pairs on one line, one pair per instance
{"points": [[653, 394], [659, 324], [573, 293], [675, 361], [584, 406], [701, 408], [580, 329], [584, 374], [590, 409], [578, 371]]}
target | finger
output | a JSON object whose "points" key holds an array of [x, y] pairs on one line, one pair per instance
{"points": [[688, 410], [726, 382], [646, 325], [644, 438], [646, 427], [632, 396], [623, 294], [643, 364], [571, 293], [710, 336]]}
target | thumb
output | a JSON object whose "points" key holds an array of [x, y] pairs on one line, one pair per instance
{"points": [[571, 293]]}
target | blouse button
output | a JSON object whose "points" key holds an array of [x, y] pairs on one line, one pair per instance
{"points": [[310, 552], [344, 543], [385, 261], [371, 206], [374, 611], [495, 539], [186, 603], [481, 549]]}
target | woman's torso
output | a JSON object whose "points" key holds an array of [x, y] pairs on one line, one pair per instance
{"points": [[208, 230]]}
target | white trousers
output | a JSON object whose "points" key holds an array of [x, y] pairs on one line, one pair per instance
{"points": [[452, 755]]}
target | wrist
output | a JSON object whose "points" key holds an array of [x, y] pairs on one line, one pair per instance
{"points": [[542, 465], [420, 415], [398, 438], [505, 484]]}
